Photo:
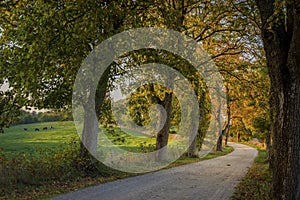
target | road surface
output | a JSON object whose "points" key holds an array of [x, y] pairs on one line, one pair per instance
{"points": [[213, 179]]}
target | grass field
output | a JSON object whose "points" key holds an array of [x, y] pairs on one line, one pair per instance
{"points": [[16, 140], [130, 140]]}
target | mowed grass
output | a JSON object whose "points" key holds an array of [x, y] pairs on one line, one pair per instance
{"points": [[15, 140], [130, 140]]}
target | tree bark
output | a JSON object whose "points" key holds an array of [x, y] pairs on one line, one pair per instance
{"points": [[226, 138], [268, 146], [89, 136], [219, 142], [163, 134], [101, 90], [282, 46], [192, 150], [228, 124], [90, 127], [224, 131]]}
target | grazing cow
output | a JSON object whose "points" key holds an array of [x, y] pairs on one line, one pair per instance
{"points": [[45, 128], [25, 129], [36, 129], [51, 127]]}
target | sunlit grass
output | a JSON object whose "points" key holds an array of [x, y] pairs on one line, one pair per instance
{"points": [[213, 154], [130, 140], [15, 140]]}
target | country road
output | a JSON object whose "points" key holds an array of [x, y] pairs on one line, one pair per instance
{"points": [[213, 179]]}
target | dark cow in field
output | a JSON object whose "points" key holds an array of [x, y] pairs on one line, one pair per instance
{"points": [[36, 129], [45, 128], [25, 129]]}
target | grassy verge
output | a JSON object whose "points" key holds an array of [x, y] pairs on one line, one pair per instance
{"points": [[119, 175], [63, 172], [256, 184], [213, 154]]}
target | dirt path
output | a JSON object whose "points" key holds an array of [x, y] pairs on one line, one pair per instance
{"points": [[212, 179]]}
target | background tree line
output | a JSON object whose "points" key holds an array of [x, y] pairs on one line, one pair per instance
{"points": [[49, 116]]}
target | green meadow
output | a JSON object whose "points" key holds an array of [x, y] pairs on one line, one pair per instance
{"points": [[16, 140], [130, 140]]}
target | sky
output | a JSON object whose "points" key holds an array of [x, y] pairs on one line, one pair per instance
{"points": [[4, 87]]}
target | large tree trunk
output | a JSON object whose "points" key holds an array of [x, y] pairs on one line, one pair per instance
{"points": [[268, 147], [90, 127], [226, 138], [89, 136], [270, 153], [282, 45], [223, 131], [219, 142], [192, 150], [195, 135], [286, 143], [163, 134], [220, 127], [101, 90], [228, 124]]}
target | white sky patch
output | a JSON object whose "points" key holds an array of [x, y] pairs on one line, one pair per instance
{"points": [[117, 95], [4, 87]]}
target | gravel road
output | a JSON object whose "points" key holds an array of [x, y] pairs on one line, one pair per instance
{"points": [[213, 179]]}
